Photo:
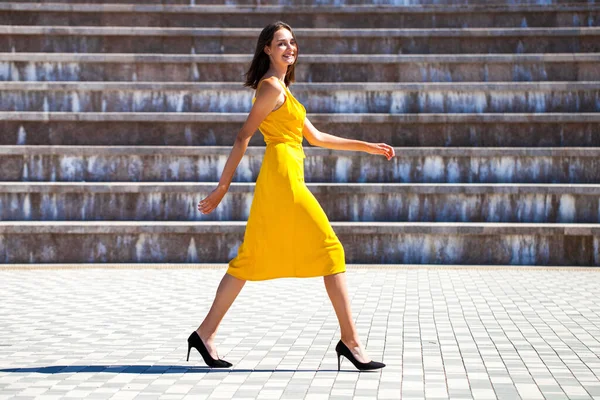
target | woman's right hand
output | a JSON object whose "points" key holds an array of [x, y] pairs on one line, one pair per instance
{"points": [[381, 148], [208, 204]]}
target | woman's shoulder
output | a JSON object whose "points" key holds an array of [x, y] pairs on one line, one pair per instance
{"points": [[271, 83]]}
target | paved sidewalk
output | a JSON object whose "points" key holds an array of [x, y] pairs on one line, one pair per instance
{"points": [[443, 333]]}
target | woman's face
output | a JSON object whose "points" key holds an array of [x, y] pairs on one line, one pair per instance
{"points": [[283, 49]]}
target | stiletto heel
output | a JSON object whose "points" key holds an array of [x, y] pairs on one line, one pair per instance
{"points": [[342, 350], [195, 341]]}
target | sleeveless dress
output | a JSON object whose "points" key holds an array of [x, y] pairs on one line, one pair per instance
{"points": [[288, 233]]}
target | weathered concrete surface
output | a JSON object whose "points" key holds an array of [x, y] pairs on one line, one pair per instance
{"points": [[57, 39], [312, 68], [396, 98], [188, 100], [210, 129], [403, 14], [401, 243], [341, 202], [204, 164]]}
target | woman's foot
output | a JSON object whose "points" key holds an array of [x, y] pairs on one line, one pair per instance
{"points": [[194, 341], [357, 350], [342, 349], [209, 343]]}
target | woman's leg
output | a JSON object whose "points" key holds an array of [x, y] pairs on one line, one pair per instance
{"points": [[338, 294], [227, 291]]}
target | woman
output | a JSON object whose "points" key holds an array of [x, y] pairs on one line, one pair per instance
{"points": [[287, 234]]}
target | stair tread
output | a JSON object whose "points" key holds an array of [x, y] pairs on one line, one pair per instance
{"points": [[315, 117], [301, 32], [309, 150], [302, 86], [335, 187], [307, 58], [357, 228], [338, 223], [208, 265], [244, 9]]}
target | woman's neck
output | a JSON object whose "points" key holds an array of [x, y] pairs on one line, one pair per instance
{"points": [[279, 73]]}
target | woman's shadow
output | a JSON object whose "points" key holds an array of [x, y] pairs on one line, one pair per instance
{"points": [[142, 369]]}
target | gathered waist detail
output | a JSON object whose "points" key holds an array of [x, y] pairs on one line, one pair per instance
{"points": [[293, 145]]}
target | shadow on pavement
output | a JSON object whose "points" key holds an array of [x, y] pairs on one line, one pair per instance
{"points": [[143, 369]]}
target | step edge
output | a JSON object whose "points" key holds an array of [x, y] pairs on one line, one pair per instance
{"points": [[224, 266]]}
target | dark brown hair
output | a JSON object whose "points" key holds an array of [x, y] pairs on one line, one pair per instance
{"points": [[260, 63]]}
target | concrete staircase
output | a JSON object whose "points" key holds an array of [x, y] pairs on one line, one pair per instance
{"points": [[116, 119]]}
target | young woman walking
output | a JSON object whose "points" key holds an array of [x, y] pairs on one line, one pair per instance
{"points": [[287, 234]]}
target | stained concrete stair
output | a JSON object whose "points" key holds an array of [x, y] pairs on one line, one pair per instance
{"points": [[314, 68], [28, 39], [473, 97], [403, 14], [220, 129], [372, 242], [204, 164], [355, 202], [116, 119]]}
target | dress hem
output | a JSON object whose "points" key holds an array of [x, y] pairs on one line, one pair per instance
{"points": [[333, 272]]}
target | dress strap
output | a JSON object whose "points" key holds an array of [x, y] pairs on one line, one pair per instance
{"points": [[283, 84]]}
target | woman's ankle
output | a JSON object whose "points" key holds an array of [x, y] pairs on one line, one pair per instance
{"points": [[351, 341], [205, 334]]}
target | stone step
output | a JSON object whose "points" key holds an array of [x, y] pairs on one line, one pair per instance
{"points": [[403, 14], [338, 3], [385, 2], [364, 242], [117, 39], [201, 129], [395, 98], [342, 202], [204, 164], [311, 68]]}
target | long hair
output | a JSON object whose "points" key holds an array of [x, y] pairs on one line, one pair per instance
{"points": [[260, 63]]}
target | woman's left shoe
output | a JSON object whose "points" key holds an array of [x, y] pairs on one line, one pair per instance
{"points": [[195, 341], [342, 350]]}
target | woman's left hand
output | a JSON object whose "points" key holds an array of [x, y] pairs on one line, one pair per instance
{"points": [[207, 205], [381, 148]]}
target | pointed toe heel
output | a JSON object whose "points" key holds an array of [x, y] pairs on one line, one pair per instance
{"points": [[195, 342], [342, 350]]}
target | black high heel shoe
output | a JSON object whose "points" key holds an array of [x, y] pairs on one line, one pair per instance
{"points": [[342, 350], [195, 341]]}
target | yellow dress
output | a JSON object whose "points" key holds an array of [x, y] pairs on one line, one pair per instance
{"points": [[288, 233]]}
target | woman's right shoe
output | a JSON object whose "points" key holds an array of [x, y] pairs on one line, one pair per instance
{"points": [[195, 341], [342, 350]]}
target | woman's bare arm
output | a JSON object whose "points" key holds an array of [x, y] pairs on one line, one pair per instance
{"points": [[266, 100], [321, 139]]}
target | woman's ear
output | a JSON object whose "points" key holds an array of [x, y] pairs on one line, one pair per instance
{"points": [[267, 50]]}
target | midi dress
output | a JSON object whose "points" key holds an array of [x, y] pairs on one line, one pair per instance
{"points": [[287, 233]]}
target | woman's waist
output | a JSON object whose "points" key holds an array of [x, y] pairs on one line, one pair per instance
{"points": [[293, 144], [292, 147]]}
